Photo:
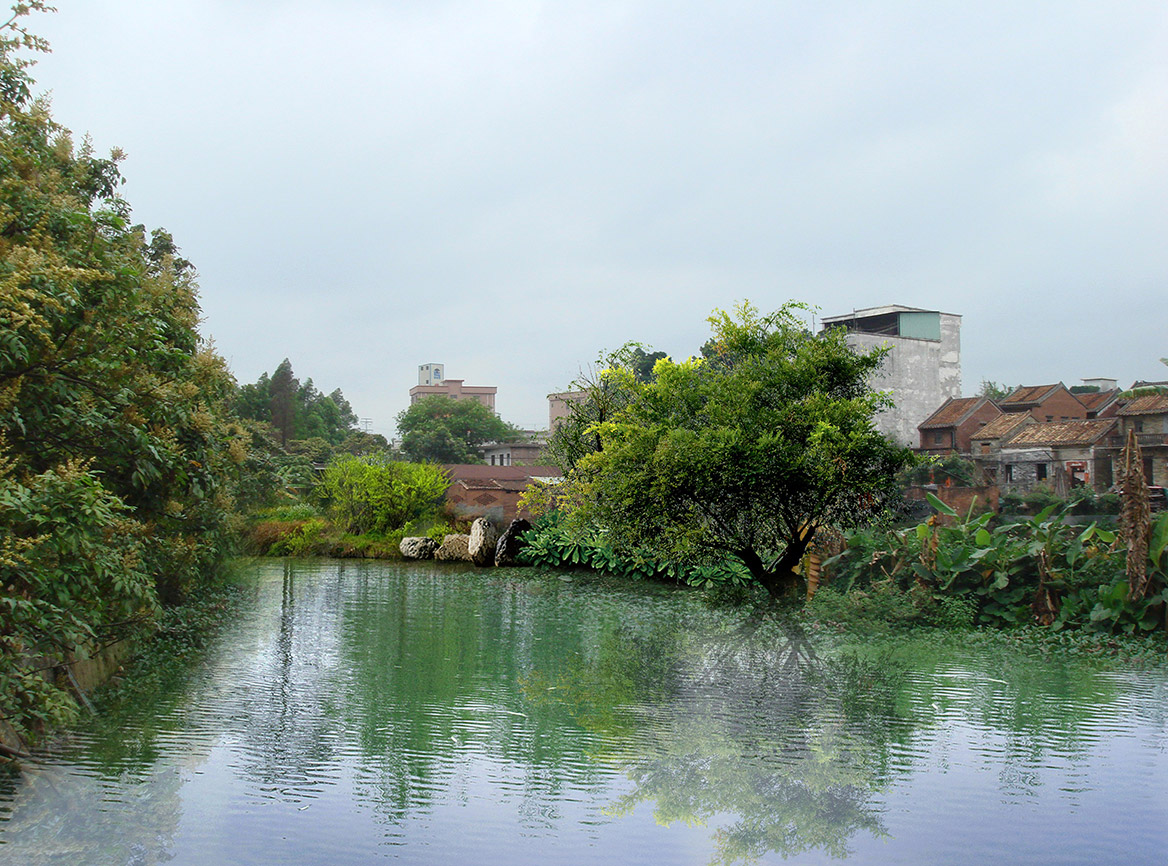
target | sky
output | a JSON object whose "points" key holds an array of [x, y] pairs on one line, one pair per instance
{"points": [[511, 187]]}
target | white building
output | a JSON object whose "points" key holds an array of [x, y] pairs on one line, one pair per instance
{"points": [[922, 368]]}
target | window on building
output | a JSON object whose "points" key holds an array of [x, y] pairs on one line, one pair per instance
{"points": [[938, 437], [1049, 417], [985, 447], [1010, 472], [1040, 471]]}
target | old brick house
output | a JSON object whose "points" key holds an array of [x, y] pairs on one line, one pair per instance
{"points": [[1044, 403], [1100, 404], [986, 444], [950, 428], [1062, 454], [492, 491], [1148, 417]]}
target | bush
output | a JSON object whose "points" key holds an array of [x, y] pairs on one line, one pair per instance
{"points": [[374, 493]]}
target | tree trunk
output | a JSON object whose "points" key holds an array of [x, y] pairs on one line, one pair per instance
{"points": [[780, 578]]}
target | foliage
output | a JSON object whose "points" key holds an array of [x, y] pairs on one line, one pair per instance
{"points": [[120, 456], [440, 430], [601, 395], [377, 494], [745, 453], [951, 468], [552, 545], [1040, 569], [995, 391], [298, 411], [71, 578]]}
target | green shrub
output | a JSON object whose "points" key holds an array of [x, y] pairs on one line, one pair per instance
{"points": [[303, 540], [373, 493], [286, 513]]}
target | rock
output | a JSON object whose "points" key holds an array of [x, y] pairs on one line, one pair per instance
{"points": [[418, 547], [507, 550], [454, 548], [483, 536]]}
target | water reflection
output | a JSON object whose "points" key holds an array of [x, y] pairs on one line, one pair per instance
{"points": [[746, 726], [360, 712]]}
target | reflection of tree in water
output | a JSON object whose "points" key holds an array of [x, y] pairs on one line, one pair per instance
{"points": [[747, 726], [55, 820]]}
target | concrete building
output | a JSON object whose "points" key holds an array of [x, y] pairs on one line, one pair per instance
{"points": [[529, 452], [922, 368], [432, 380], [559, 406]]}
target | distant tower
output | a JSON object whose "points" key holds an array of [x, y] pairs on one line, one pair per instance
{"points": [[922, 368], [431, 374]]}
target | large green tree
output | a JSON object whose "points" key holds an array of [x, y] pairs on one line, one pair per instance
{"points": [[440, 430], [118, 459], [296, 410], [746, 453]]}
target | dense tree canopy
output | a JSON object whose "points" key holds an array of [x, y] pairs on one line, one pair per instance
{"points": [[440, 430], [118, 459], [296, 411], [748, 452]]}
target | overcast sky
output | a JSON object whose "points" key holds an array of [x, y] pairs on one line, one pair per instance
{"points": [[508, 187]]}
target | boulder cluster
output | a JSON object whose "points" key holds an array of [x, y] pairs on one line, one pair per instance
{"points": [[483, 546]]}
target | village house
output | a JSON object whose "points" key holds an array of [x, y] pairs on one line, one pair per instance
{"points": [[950, 428], [1044, 403], [1101, 404], [493, 491], [986, 444], [1062, 454], [1148, 417]]}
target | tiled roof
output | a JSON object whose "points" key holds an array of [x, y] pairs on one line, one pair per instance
{"points": [[1026, 396], [951, 413], [1002, 426], [1097, 399], [1061, 433], [1152, 404]]}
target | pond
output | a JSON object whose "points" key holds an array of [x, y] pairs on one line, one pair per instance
{"points": [[362, 712]]}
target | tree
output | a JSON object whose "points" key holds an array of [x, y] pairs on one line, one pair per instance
{"points": [[297, 411], [746, 453], [377, 494], [118, 457], [994, 391], [282, 403], [441, 430], [598, 397]]}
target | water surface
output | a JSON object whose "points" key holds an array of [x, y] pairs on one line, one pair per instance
{"points": [[379, 712]]}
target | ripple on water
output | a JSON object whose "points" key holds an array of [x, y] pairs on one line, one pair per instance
{"points": [[368, 712]]}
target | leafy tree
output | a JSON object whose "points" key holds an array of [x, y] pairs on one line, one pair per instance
{"points": [[119, 456], [297, 411], [641, 362], [747, 453], [600, 395], [282, 403], [377, 494], [995, 391], [441, 430]]}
